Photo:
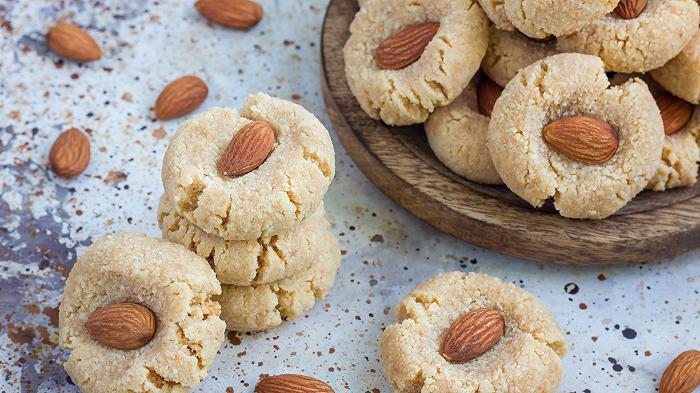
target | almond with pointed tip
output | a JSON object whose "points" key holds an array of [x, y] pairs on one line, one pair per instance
{"points": [[124, 326], [406, 46], [630, 9], [471, 335], [683, 374], [237, 14], [248, 149], [291, 383], [675, 113], [487, 92], [73, 43], [586, 139], [180, 97], [70, 153]]}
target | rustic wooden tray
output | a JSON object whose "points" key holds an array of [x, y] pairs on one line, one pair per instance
{"points": [[399, 161]]}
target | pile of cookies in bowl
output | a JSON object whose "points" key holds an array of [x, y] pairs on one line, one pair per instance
{"points": [[581, 104]]}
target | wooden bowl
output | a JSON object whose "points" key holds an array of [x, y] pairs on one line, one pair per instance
{"points": [[399, 161]]}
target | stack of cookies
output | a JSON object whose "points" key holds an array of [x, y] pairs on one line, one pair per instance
{"points": [[585, 103], [245, 192]]}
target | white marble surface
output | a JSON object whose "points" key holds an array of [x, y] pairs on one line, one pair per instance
{"points": [[45, 221]]}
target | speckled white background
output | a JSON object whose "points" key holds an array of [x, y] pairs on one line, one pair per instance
{"points": [[46, 221]]}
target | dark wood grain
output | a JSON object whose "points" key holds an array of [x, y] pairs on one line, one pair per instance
{"points": [[654, 226]]}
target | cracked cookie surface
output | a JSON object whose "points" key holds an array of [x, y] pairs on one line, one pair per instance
{"points": [[171, 281], [641, 44], [542, 18], [264, 306], [407, 96], [681, 75], [457, 135], [247, 262], [530, 350], [566, 85], [271, 199], [496, 12]]}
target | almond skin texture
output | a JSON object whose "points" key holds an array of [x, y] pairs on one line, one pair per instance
{"points": [[237, 14], [291, 383], [487, 94], [683, 374], [405, 47], [123, 326], [472, 335], [582, 138], [180, 97], [630, 9], [675, 113], [73, 43], [248, 149], [70, 153]]}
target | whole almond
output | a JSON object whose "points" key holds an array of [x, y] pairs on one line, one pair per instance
{"points": [[582, 138], [675, 113], [487, 92], [73, 43], [630, 9], [291, 383], [70, 153], [472, 335], [405, 46], [248, 149], [180, 97], [683, 374], [123, 326], [237, 14]]}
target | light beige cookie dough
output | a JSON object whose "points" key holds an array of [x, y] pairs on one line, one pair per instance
{"points": [[527, 359], [261, 307], [457, 135], [496, 12], [542, 18], [247, 262], [566, 85], [171, 281], [641, 44], [681, 75], [407, 96], [509, 52], [273, 198]]}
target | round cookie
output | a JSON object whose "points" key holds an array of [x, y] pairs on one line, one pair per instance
{"points": [[681, 75], [542, 18], [271, 199], [641, 44], [407, 96], [457, 135], [171, 281], [247, 262], [261, 307], [509, 52], [529, 351], [566, 85], [496, 12]]}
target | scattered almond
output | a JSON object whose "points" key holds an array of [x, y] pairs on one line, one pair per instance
{"points": [[237, 14], [291, 383], [405, 46], [630, 9], [675, 113], [73, 43], [487, 92], [248, 149], [472, 335], [582, 138], [180, 97], [70, 153], [683, 374], [123, 326]]}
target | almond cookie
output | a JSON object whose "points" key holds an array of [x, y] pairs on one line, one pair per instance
{"points": [[604, 142], [509, 52], [496, 12], [681, 75], [406, 93], [261, 307], [525, 343], [247, 262], [457, 135], [640, 44], [173, 283], [287, 187], [542, 18]]}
